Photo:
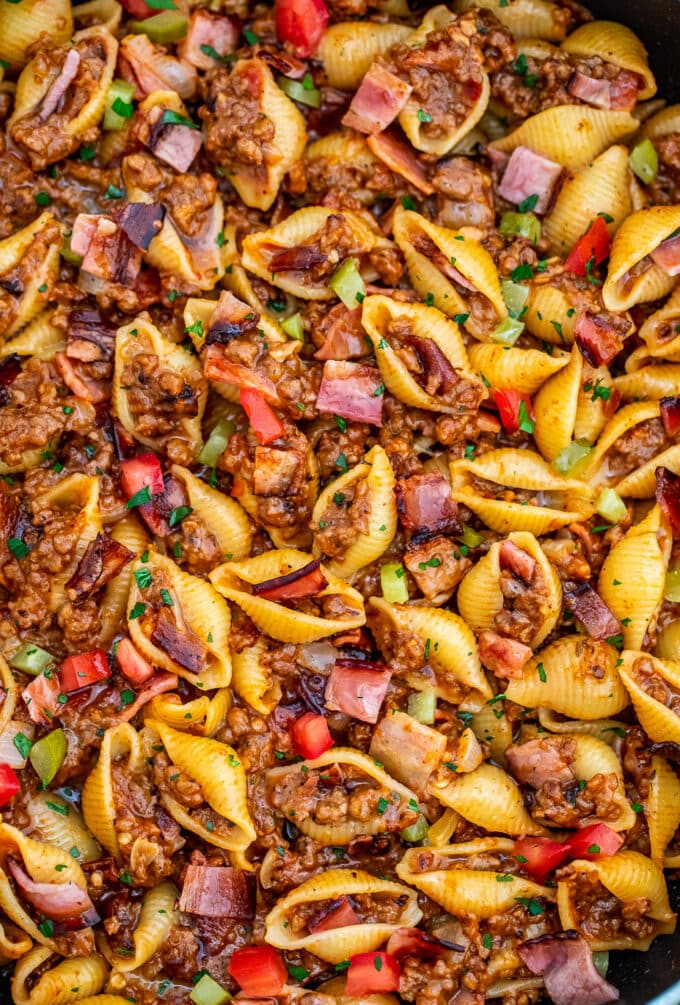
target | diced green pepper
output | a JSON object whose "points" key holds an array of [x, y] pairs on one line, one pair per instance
{"points": [[672, 588], [515, 296], [520, 225], [292, 326], [168, 26], [348, 283], [416, 832], [31, 659], [508, 331], [611, 506], [296, 90], [644, 161], [209, 992], [471, 537], [422, 706], [118, 107], [393, 583], [215, 445], [47, 754], [571, 456]]}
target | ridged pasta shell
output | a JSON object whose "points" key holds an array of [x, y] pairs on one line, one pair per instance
{"points": [[659, 337], [519, 469], [658, 381], [662, 808], [473, 262], [300, 228], [222, 778], [203, 716], [465, 890], [39, 242], [348, 48], [600, 187], [636, 238], [120, 743], [55, 985], [595, 468], [252, 679], [107, 13], [223, 516], [548, 304], [130, 533], [664, 122], [617, 44], [346, 148], [300, 534], [495, 731], [195, 604], [157, 917], [556, 406], [641, 483], [283, 623], [488, 797], [505, 366], [65, 830], [607, 730], [376, 471], [411, 122], [638, 563], [140, 338], [525, 18], [571, 135], [657, 719], [11, 693], [202, 310], [39, 338], [592, 415], [581, 680], [480, 598], [24, 23], [340, 943], [629, 876], [424, 322], [450, 659], [344, 831], [594, 757]]}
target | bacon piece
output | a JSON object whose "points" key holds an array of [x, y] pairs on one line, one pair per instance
{"points": [[434, 364], [593, 91], [566, 963], [345, 336], [504, 657], [102, 560], [338, 914], [177, 145], [292, 259], [57, 901], [159, 684], [107, 252], [183, 647], [216, 367], [151, 69], [284, 63], [351, 390], [83, 230], [356, 690], [90, 337], [517, 560], [40, 698], [378, 101], [231, 318], [424, 503], [667, 256], [10, 368], [218, 892], [60, 84], [547, 759], [83, 387], [304, 582], [668, 496], [670, 415], [401, 159], [140, 221], [409, 750], [624, 91], [529, 174], [589, 607], [597, 340], [212, 31], [414, 942]]}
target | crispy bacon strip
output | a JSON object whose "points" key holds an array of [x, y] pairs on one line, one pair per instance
{"points": [[103, 559]]}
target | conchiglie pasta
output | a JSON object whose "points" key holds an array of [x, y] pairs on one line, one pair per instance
{"points": [[203, 716], [339, 943], [108, 13], [654, 688], [504, 366], [223, 516], [156, 919], [556, 408], [252, 677], [11, 693], [614, 43], [603, 468], [348, 48], [121, 745], [662, 808], [656, 381], [632, 276], [130, 533], [488, 797], [342, 149], [55, 986], [525, 18], [550, 315], [24, 23], [65, 829], [30, 259], [593, 757], [38, 338]]}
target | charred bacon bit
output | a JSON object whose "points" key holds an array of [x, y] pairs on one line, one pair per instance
{"points": [[218, 892], [667, 256], [284, 63], [424, 503], [399, 157], [175, 144], [141, 222], [103, 559], [426, 246], [667, 749], [358, 688], [433, 363], [61, 902], [519, 562], [156, 513], [217, 367], [159, 684], [81, 386], [60, 84], [345, 335], [589, 607], [413, 942], [353, 390], [304, 582], [504, 657], [107, 252], [10, 368], [339, 913], [597, 340], [377, 102], [566, 963], [528, 174], [231, 319], [291, 259], [670, 415], [90, 337], [668, 496], [183, 647]]}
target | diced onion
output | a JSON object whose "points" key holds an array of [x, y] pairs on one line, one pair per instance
{"points": [[520, 225], [215, 445], [12, 752], [416, 832], [393, 583], [292, 326], [668, 642], [348, 283], [611, 506], [120, 93], [644, 161], [422, 706], [296, 90], [31, 659], [672, 588], [168, 26], [515, 296], [47, 755], [508, 331], [571, 456], [209, 992]]}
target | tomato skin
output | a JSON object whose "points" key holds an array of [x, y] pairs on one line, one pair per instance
{"points": [[259, 970], [310, 736], [370, 973], [542, 856], [138, 9], [594, 244], [266, 424], [599, 836], [83, 669], [508, 403], [9, 784], [132, 664], [141, 472], [302, 23]]}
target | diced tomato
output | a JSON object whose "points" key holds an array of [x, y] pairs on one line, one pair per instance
{"points": [[41, 697], [137, 8], [596, 841], [340, 914], [141, 472], [83, 669], [590, 249], [310, 736], [371, 973], [265, 422], [9, 784], [670, 415], [508, 403], [302, 23], [259, 970], [539, 856], [132, 664]]}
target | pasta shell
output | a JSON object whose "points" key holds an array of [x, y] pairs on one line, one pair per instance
{"points": [[629, 876], [513, 469], [348, 48], [636, 238], [344, 831], [39, 338], [203, 716], [23, 24], [300, 228], [556, 406], [65, 830], [198, 611], [615, 44], [378, 317], [525, 18], [431, 649], [504, 366], [550, 315], [120, 743], [32, 256], [645, 676], [598, 188], [656, 382], [380, 509], [202, 311], [130, 533], [136, 343], [571, 135], [592, 412], [107, 13], [664, 122], [299, 535], [461, 250], [581, 680], [638, 562], [495, 731], [339, 943], [157, 917], [442, 830], [480, 598], [346, 148], [55, 985], [11, 693], [283, 623], [411, 122], [595, 757], [223, 516], [596, 468], [662, 808], [658, 336], [252, 678], [641, 483], [222, 778], [607, 730], [488, 797], [462, 889]]}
